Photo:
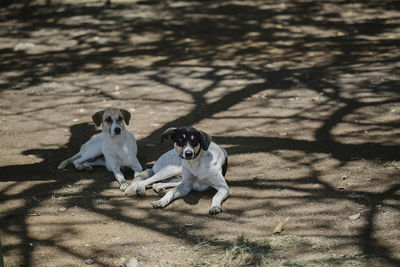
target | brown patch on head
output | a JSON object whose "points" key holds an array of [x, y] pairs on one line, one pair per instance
{"points": [[196, 148], [179, 149]]}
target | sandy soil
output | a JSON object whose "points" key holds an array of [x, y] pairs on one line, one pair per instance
{"points": [[302, 94]]}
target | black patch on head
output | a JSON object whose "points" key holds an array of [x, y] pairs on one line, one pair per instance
{"points": [[205, 140], [126, 114], [170, 132], [98, 117], [186, 135], [109, 119]]}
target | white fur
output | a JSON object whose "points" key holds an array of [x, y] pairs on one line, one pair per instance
{"points": [[167, 166], [119, 150], [199, 174]]}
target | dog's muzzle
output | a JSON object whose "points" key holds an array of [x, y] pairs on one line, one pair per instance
{"points": [[117, 131], [188, 153]]}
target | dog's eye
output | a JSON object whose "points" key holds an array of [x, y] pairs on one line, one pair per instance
{"points": [[119, 119], [180, 141], [194, 143], [109, 120]]}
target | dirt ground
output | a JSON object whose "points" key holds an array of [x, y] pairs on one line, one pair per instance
{"points": [[302, 94]]}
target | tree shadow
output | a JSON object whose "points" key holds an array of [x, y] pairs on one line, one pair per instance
{"points": [[34, 194], [273, 46]]}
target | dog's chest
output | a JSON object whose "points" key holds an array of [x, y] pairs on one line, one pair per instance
{"points": [[121, 152], [198, 168]]}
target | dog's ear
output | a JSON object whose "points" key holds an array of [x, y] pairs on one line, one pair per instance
{"points": [[98, 117], [205, 140], [169, 132], [127, 116]]}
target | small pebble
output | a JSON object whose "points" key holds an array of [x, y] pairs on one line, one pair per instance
{"points": [[355, 216], [131, 262], [89, 261]]}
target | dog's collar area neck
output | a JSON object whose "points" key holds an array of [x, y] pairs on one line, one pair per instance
{"points": [[195, 155], [198, 153]]}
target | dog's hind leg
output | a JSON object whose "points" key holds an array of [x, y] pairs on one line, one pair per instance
{"points": [[164, 173], [87, 156], [180, 191], [139, 177], [89, 151], [88, 165], [161, 188], [68, 161]]}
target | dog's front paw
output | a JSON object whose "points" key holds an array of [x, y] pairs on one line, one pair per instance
{"points": [[141, 189], [214, 210], [159, 190], [123, 186], [158, 204], [131, 188]]}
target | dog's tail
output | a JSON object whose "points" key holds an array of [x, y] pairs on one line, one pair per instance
{"points": [[68, 161]]}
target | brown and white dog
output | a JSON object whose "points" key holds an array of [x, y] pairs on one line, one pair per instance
{"points": [[114, 148], [204, 165]]}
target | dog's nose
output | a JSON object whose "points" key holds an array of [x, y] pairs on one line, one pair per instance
{"points": [[117, 130], [188, 154]]}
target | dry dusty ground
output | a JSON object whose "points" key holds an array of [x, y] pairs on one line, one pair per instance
{"points": [[302, 94]]}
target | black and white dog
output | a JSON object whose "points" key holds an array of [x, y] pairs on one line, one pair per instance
{"points": [[204, 164], [114, 148]]}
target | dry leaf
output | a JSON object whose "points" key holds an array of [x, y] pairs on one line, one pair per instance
{"points": [[262, 94], [355, 216], [36, 213], [280, 226]]}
